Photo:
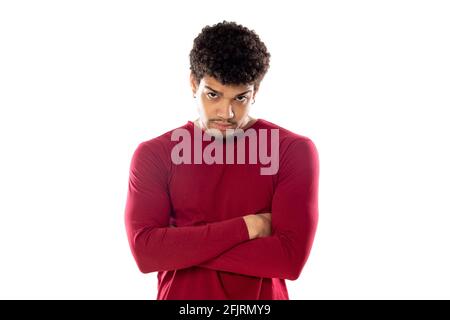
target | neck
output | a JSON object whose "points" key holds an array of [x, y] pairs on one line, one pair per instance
{"points": [[250, 122]]}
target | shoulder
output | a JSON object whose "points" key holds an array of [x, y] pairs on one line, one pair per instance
{"points": [[157, 149], [161, 143], [289, 140], [298, 155]]}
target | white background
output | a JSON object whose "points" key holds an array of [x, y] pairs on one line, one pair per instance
{"points": [[83, 82]]}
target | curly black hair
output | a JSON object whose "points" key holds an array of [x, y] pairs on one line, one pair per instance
{"points": [[231, 53]]}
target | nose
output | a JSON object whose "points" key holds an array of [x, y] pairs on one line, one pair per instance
{"points": [[225, 111]]}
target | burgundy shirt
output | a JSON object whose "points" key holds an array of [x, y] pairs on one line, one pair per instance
{"points": [[184, 220]]}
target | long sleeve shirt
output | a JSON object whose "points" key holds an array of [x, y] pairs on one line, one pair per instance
{"points": [[185, 220]]}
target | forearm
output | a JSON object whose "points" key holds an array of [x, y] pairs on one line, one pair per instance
{"points": [[278, 256], [167, 248]]}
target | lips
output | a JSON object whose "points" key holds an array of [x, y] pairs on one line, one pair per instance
{"points": [[222, 126]]}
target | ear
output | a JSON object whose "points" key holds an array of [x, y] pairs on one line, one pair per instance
{"points": [[255, 92], [193, 83]]}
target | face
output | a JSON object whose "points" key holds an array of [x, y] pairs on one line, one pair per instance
{"points": [[222, 107]]}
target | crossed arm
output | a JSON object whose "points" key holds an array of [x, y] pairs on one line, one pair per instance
{"points": [[294, 222], [241, 245]]}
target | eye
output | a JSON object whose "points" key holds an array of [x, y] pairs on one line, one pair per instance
{"points": [[241, 98], [214, 95]]}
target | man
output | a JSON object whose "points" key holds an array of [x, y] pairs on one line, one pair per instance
{"points": [[205, 208]]}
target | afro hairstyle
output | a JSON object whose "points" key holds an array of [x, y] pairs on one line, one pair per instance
{"points": [[230, 53]]}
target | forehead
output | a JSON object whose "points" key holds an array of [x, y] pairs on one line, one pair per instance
{"points": [[217, 85]]}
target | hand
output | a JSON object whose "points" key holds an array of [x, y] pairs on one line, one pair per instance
{"points": [[259, 225]]}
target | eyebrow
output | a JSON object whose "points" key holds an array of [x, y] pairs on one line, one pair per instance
{"points": [[240, 94]]}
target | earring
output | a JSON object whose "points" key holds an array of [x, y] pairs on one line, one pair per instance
{"points": [[253, 101]]}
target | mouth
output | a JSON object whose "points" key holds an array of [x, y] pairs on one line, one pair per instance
{"points": [[222, 126]]}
